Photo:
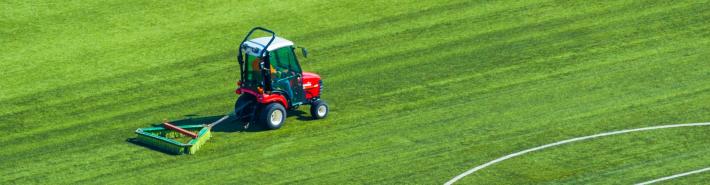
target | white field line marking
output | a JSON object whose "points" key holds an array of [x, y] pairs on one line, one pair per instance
{"points": [[674, 176], [568, 141]]}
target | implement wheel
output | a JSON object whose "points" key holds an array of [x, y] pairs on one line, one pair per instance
{"points": [[272, 116]]}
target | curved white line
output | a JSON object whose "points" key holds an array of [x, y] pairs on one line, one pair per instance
{"points": [[568, 141], [674, 176]]}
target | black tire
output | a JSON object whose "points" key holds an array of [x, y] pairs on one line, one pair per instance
{"points": [[319, 109], [272, 116], [247, 101]]}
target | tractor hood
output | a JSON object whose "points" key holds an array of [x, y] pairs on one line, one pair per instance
{"points": [[310, 80], [312, 84], [311, 76]]}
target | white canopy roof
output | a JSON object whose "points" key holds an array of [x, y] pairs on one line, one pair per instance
{"points": [[262, 41]]}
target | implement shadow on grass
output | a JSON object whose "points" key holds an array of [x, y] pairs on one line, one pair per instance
{"points": [[230, 125], [135, 142], [300, 115]]}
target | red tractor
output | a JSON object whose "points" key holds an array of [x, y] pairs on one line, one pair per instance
{"points": [[272, 82]]}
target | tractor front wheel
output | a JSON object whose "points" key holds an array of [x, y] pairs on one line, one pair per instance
{"points": [[319, 109], [273, 116]]}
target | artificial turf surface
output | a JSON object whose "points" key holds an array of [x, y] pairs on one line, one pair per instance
{"points": [[420, 91]]}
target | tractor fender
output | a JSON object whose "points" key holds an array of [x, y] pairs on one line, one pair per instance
{"points": [[265, 98], [270, 98]]}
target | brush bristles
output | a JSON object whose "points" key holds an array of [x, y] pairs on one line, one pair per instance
{"points": [[202, 137]]}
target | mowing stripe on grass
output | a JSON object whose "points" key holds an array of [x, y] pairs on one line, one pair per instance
{"points": [[423, 85], [460, 176], [675, 176]]}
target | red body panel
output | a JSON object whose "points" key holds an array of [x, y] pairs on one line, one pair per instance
{"points": [[265, 98], [311, 85]]}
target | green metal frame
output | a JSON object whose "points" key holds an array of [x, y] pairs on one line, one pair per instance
{"points": [[159, 137]]}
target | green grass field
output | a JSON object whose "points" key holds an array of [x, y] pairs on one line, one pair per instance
{"points": [[420, 91]]}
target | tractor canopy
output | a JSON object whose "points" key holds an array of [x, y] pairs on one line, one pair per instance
{"points": [[269, 64]]}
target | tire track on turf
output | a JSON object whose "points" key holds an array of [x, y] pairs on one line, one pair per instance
{"points": [[464, 41], [419, 86], [425, 12], [535, 77], [459, 54], [49, 97], [562, 74], [427, 28]]}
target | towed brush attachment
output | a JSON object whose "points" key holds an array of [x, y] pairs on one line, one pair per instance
{"points": [[172, 141], [185, 139]]}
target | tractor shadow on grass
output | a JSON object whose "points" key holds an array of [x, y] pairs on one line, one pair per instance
{"points": [[233, 125], [229, 125], [300, 115]]}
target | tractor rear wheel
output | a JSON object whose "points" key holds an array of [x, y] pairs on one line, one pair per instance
{"points": [[319, 109], [273, 116]]}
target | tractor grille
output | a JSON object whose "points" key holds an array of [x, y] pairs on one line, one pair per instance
{"points": [[320, 87]]}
